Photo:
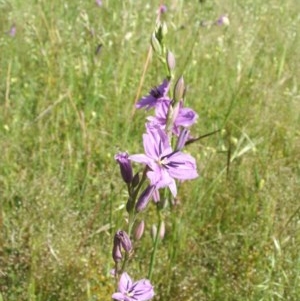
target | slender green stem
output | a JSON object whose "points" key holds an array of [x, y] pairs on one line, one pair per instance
{"points": [[133, 193], [156, 241]]}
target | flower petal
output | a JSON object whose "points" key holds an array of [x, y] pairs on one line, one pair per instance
{"points": [[143, 290], [141, 158], [118, 296], [147, 101], [155, 96], [125, 283], [186, 117], [182, 166]]}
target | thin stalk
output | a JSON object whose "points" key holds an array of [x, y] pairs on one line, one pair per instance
{"points": [[153, 255], [132, 214]]}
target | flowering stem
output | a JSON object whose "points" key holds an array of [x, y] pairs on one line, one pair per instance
{"points": [[136, 191], [157, 237], [132, 214]]}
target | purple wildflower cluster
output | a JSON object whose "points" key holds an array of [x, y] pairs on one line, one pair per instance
{"points": [[167, 131], [163, 165]]}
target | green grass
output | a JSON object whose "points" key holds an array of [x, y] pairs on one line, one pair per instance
{"points": [[65, 112]]}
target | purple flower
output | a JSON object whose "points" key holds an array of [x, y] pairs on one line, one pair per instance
{"points": [[13, 30], [165, 164], [182, 139], [186, 117], [125, 166], [182, 116], [121, 240], [98, 2], [223, 20], [116, 251], [124, 240], [144, 198], [141, 290], [156, 95], [162, 9]]}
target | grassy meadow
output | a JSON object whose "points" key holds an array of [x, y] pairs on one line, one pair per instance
{"points": [[66, 109]]}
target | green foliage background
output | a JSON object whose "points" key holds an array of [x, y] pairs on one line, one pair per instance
{"points": [[66, 111]]}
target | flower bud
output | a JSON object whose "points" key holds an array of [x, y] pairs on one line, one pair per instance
{"points": [[135, 180], [164, 29], [162, 230], [162, 9], [171, 63], [129, 204], [139, 230], [179, 89], [182, 139], [223, 20], [153, 232], [155, 44], [160, 31], [124, 240], [116, 252], [144, 198], [125, 167]]}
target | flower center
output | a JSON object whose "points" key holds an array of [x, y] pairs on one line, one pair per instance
{"points": [[155, 93], [162, 161], [129, 294]]}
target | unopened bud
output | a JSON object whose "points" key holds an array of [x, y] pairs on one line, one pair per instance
{"points": [[160, 31], [155, 44], [144, 198], [129, 205], [162, 9], [182, 139], [139, 230], [233, 140], [124, 240], [171, 63], [135, 180], [153, 232], [125, 166], [162, 230], [164, 29], [116, 252], [179, 89], [223, 20]]}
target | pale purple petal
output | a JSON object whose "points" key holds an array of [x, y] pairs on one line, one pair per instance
{"points": [[118, 296], [143, 290], [155, 176], [158, 133], [182, 167], [182, 139], [144, 198], [99, 2], [186, 117], [125, 283], [156, 196], [151, 145], [173, 188], [141, 158], [161, 178]]}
